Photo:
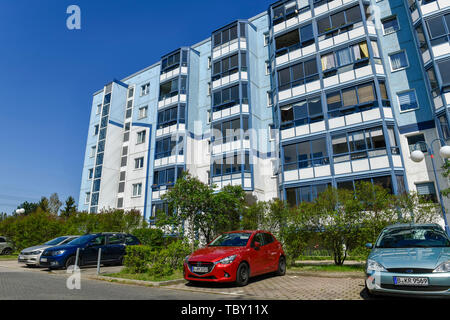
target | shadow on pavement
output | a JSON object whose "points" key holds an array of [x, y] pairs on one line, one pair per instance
{"points": [[200, 284]]}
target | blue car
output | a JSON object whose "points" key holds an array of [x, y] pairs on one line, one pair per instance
{"points": [[112, 244], [410, 260]]}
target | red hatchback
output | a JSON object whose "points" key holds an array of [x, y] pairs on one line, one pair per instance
{"points": [[235, 257]]}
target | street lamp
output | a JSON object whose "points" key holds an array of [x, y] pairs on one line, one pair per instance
{"points": [[20, 211], [418, 156]]}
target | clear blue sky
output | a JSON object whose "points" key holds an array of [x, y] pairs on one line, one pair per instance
{"points": [[49, 73]]}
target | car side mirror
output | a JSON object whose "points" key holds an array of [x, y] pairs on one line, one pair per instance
{"points": [[369, 246], [257, 245]]}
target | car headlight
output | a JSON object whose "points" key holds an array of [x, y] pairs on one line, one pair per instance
{"points": [[186, 260], [36, 252], [443, 267], [227, 260], [57, 253], [372, 265]]}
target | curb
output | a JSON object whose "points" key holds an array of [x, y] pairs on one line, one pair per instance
{"points": [[138, 282], [320, 274]]}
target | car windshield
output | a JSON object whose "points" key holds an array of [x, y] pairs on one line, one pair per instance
{"points": [[413, 237], [56, 241], [81, 240], [231, 240]]}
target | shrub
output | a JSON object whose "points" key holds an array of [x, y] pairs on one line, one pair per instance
{"points": [[150, 237], [138, 258]]}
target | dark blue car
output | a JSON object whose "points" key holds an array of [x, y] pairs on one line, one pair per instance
{"points": [[112, 244]]}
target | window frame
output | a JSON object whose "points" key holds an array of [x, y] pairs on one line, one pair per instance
{"points": [[415, 96], [401, 68]]}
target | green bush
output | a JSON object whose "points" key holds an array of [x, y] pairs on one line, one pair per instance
{"points": [[138, 259], [150, 237]]}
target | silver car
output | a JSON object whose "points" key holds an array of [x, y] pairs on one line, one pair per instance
{"points": [[410, 260], [6, 247], [31, 256]]}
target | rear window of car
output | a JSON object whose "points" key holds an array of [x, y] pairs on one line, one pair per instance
{"points": [[115, 239], [131, 240]]}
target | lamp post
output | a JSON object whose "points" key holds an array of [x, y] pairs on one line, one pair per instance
{"points": [[417, 156], [20, 211]]}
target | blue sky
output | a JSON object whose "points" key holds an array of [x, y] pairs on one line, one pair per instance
{"points": [[49, 73]]}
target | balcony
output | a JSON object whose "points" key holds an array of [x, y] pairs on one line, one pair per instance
{"points": [[232, 180], [367, 164], [173, 73], [171, 160], [359, 118], [219, 148], [331, 5], [357, 32], [168, 101], [303, 130], [230, 79], [229, 47], [299, 90], [434, 7], [295, 54], [300, 18], [170, 129], [231, 111], [313, 172], [352, 75]]}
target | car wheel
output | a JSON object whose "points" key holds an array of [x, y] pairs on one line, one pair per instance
{"points": [[242, 275], [281, 266], [7, 251], [70, 262]]}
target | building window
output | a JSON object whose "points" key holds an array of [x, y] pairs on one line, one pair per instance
{"points": [[413, 140], [209, 63], [407, 100], [231, 164], [121, 187], [301, 113], [230, 96], [228, 131], [209, 89], [139, 163], [87, 198], [267, 64], [120, 203], [272, 132], [145, 89], [228, 66], [93, 151], [91, 174], [427, 191], [166, 176], [444, 71], [398, 60], [137, 190], [444, 126], [99, 108], [439, 29], [340, 20], [295, 196], [305, 155], [165, 148], [269, 99], [141, 137], [390, 25], [294, 40], [298, 74], [143, 112], [225, 36], [361, 144]]}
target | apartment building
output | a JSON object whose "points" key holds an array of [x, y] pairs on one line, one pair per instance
{"points": [[305, 95]]}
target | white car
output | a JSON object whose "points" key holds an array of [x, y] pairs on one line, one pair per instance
{"points": [[31, 256]]}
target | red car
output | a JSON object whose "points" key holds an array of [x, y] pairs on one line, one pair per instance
{"points": [[235, 257]]}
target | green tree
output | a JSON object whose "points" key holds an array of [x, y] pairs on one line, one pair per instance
{"points": [[70, 207], [44, 204], [29, 208]]}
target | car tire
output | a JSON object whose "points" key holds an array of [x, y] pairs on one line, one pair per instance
{"points": [[242, 275], [70, 262], [7, 251], [281, 266]]}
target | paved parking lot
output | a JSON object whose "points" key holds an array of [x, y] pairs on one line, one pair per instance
{"points": [[289, 287]]}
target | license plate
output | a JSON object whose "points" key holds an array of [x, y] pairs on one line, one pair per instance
{"points": [[43, 259], [411, 281], [200, 269]]}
